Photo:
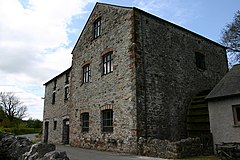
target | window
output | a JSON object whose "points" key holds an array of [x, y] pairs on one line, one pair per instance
{"points": [[54, 91], [54, 125], [107, 120], [86, 73], [55, 84], [66, 95], [107, 63], [97, 28], [67, 78], [53, 97], [85, 122], [66, 89], [200, 60], [236, 114]]}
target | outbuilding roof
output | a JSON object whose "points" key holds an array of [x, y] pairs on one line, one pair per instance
{"points": [[68, 70], [228, 86]]}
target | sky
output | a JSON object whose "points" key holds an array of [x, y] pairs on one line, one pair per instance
{"points": [[37, 36]]}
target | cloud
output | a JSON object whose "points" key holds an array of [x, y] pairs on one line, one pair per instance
{"points": [[35, 44], [33, 102], [172, 10], [27, 34]]}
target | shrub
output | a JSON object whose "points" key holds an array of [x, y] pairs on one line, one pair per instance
{"points": [[19, 131]]}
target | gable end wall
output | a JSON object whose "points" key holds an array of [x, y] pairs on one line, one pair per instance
{"points": [[167, 76], [116, 89]]}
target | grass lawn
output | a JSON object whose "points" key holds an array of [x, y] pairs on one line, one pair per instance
{"points": [[202, 158]]}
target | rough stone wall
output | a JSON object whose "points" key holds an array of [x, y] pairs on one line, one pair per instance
{"points": [[173, 150], [167, 75], [57, 111], [153, 80], [115, 90]]}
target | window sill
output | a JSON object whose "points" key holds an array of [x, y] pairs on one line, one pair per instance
{"points": [[107, 132], [95, 38], [107, 73], [201, 69]]}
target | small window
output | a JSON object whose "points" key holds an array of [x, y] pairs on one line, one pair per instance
{"points": [[67, 78], [53, 97], [54, 125], [55, 84], [107, 120], [200, 60], [97, 28], [85, 122], [66, 94], [86, 73], [107, 63], [236, 114]]}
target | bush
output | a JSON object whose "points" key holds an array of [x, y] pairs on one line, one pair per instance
{"points": [[19, 131], [1, 129]]}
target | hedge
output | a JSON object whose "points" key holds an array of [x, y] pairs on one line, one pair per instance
{"points": [[19, 131]]}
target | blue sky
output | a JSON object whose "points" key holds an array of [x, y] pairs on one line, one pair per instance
{"points": [[37, 36]]}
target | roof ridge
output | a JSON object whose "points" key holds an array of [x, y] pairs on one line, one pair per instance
{"points": [[113, 5]]}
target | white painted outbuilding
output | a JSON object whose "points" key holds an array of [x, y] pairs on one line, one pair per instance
{"points": [[224, 108]]}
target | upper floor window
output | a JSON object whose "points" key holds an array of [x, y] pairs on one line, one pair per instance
{"points": [[53, 97], [97, 28], [107, 63], [66, 94], [200, 60], [67, 78], [236, 114], [107, 120], [54, 84], [85, 121], [54, 125], [86, 73]]}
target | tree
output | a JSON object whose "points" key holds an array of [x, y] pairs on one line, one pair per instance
{"points": [[34, 123], [231, 39], [2, 115], [12, 106]]}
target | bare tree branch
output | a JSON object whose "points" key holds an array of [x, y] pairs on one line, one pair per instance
{"points": [[231, 39], [12, 106]]}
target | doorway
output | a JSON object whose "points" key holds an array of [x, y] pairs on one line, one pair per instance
{"points": [[65, 135], [45, 140]]}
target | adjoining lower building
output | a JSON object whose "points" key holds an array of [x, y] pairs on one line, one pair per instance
{"points": [[224, 108], [133, 77], [56, 109]]}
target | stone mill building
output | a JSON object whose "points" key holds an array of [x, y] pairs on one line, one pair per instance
{"points": [[133, 77]]}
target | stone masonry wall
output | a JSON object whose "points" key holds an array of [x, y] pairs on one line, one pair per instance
{"points": [[171, 150], [116, 89], [57, 111], [167, 75], [153, 80]]}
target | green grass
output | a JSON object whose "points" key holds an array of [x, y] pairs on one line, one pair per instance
{"points": [[202, 158]]}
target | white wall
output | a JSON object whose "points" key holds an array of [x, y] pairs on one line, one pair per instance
{"points": [[222, 121]]}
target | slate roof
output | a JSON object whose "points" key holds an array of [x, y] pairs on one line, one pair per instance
{"points": [[68, 70], [228, 86]]}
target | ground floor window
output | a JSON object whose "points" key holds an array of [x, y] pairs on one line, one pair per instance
{"points": [[107, 120], [85, 121]]}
